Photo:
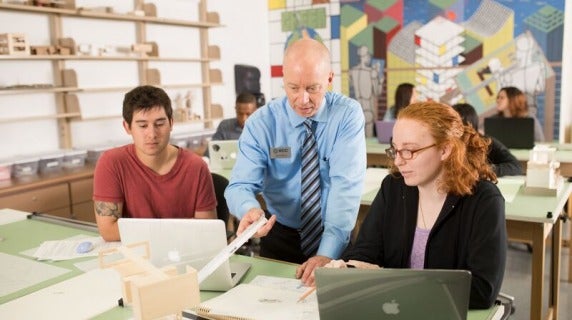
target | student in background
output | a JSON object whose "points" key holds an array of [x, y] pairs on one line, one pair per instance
{"points": [[150, 178], [439, 208], [502, 161], [230, 129], [511, 102], [405, 94], [270, 162]]}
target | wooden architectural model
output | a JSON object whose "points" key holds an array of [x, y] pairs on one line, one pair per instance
{"points": [[14, 44], [152, 292]]}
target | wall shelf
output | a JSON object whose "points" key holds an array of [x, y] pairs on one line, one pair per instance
{"points": [[212, 19], [66, 88]]}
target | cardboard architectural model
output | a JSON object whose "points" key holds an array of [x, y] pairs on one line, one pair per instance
{"points": [[152, 292]]}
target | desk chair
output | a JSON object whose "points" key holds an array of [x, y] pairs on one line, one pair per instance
{"points": [[508, 303], [222, 212], [220, 183]]}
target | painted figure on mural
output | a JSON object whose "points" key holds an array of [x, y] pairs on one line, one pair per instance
{"points": [[366, 82]]}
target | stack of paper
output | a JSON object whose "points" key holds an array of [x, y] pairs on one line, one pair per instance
{"points": [[266, 298]]}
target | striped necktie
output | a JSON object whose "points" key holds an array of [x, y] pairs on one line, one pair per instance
{"points": [[311, 229]]}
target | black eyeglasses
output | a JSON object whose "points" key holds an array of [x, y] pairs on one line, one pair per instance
{"points": [[405, 154]]}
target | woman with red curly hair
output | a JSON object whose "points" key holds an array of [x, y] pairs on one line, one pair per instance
{"points": [[439, 208]]}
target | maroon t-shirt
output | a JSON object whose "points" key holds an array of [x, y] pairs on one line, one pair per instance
{"points": [[120, 177]]}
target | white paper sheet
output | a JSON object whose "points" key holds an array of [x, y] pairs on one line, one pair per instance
{"points": [[81, 297], [257, 302], [18, 273], [66, 249], [11, 215], [287, 284]]}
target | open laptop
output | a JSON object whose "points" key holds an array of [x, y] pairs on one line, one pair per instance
{"points": [[182, 242], [222, 154], [399, 294], [514, 133], [384, 130]]}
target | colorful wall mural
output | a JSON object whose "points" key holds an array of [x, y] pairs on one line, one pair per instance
{"points": [[452, 50]]}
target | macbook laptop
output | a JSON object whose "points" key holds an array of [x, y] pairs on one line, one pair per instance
{"points": [[222, 154], [182, 242], [384, 130], [399, 294], [514, 133]]}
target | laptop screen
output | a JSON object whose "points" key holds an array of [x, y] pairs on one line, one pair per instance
{"points": [[222, 154], [182, 242], [384, 130], [515, 133], [392, 293]]}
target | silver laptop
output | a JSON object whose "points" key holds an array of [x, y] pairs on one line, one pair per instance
{"points": [[384, 130], [222, 154], [182, 242], [399, 294]]}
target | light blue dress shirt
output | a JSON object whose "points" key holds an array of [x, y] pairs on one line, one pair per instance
{"points": [[269, 163]]}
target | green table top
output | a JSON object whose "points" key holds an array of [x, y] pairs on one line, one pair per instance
{"points": [[24, 235]]}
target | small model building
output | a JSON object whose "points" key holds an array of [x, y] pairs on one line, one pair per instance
{"points": [[14, 44], [153, 292], [542, 172]]}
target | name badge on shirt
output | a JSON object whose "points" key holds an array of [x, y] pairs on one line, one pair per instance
{"points": [[280, 152]]}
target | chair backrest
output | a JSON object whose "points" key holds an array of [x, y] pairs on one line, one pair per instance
{"points": [[220, 184]]}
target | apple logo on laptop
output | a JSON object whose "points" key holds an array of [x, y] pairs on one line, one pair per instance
{"points": [[390, 307]]}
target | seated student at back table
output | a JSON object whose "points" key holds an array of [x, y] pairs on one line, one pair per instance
{"points": [[503, 162], [439, 208], [282, 135], [405, 94], [511, 102], [230, 129], [150, 178]]}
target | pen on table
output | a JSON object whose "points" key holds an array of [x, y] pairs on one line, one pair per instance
{"points": [[306, 294]]}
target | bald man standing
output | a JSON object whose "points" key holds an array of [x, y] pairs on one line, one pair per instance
{"points": [[275, 145]]}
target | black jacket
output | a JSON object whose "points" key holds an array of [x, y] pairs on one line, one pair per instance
{"points": [[469, 234], [503, 162]]}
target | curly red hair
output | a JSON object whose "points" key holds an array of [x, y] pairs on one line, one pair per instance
{"points": [[467, 162]]}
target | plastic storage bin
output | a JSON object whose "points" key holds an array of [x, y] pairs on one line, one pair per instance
{"points": [[74, 159], [94, 153], [181, 141], [51, 162], [24, 167], [5, 169]]}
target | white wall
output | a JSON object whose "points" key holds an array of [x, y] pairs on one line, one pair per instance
{"points": [[243, 40]]}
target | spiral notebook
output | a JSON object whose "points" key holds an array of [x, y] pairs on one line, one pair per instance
{"points": [[261, 299]]}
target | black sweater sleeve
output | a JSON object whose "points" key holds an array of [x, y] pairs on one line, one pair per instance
{"points": [[487, 248], [504, 162]]}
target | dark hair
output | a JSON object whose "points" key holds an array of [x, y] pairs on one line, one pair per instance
{"points": [[246, 97], [403, 95], [468, 114], [145, 98]]}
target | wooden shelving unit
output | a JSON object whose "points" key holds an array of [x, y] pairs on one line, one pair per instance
{"points": [[64, 89]]}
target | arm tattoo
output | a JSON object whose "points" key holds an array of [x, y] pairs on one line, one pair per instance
{"points": [[108, 209]]}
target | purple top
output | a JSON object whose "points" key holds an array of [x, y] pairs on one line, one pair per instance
{"points": [[419, 244]]}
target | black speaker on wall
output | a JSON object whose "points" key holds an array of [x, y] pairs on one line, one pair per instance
{"points": [[247, 79]]}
